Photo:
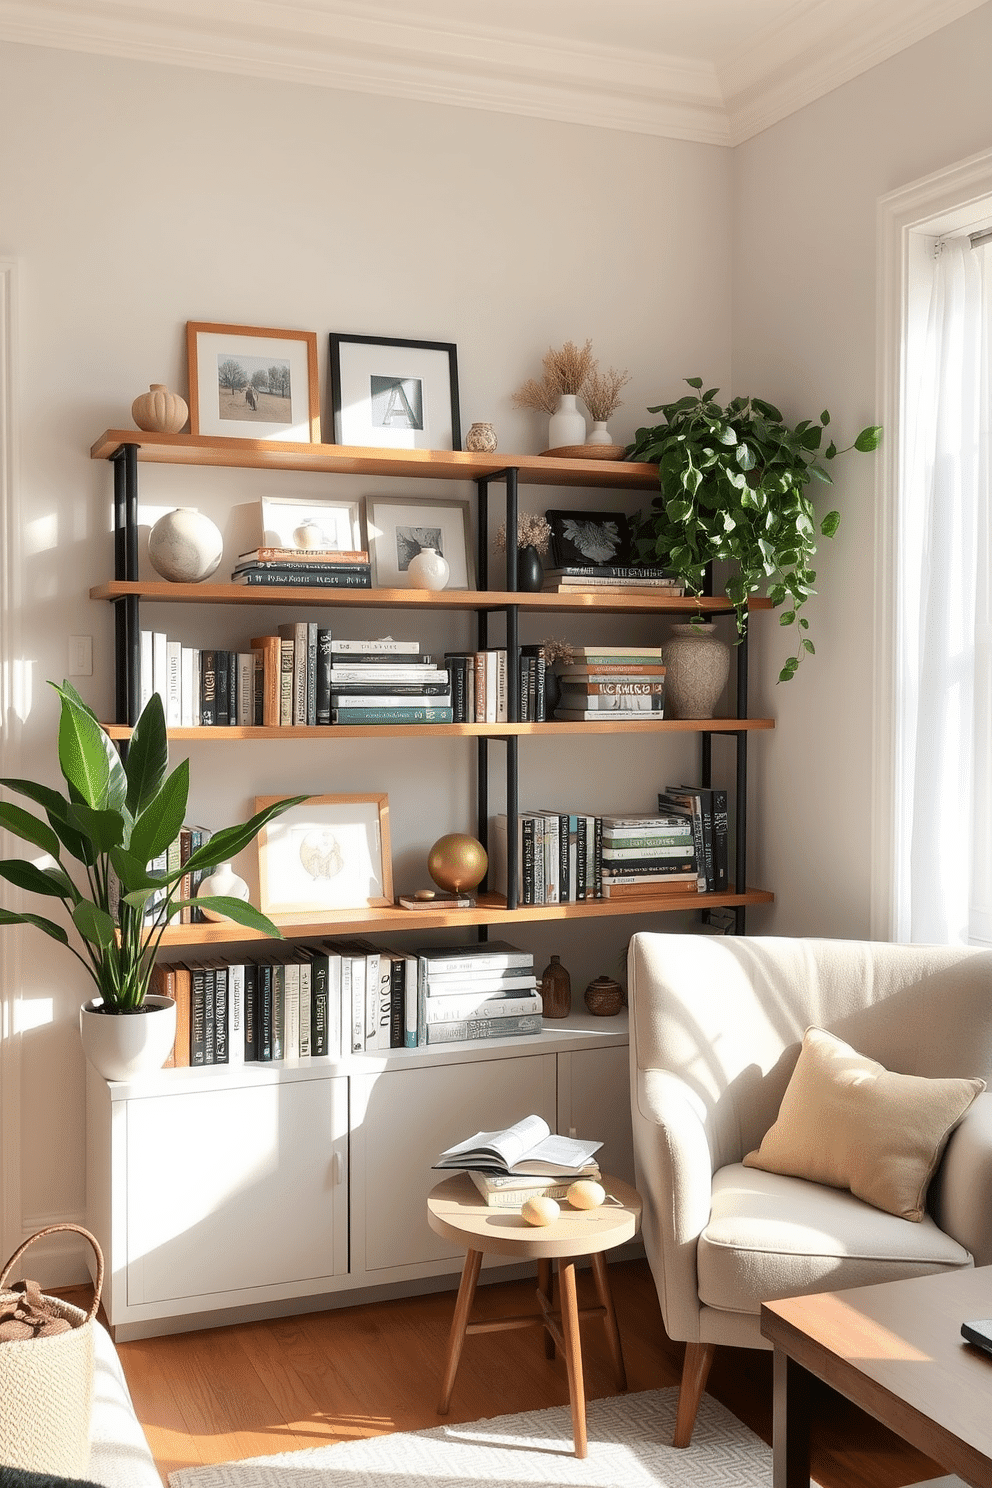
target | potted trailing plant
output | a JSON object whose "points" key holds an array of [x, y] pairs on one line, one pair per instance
{"points": [[116, 818], [733, 487]]}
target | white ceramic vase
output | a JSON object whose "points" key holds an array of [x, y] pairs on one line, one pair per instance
{"points": [[124, 1046], [599, 433], [308, 535], [567, 425], [225, 881], [697, 664], [427, 570], [160, 411], [184, 546]]}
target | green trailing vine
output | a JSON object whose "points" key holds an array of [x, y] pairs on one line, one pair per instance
{"points": [[733, 487]]}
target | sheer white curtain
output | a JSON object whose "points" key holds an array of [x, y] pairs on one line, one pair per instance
{"points": [[944, 686]]}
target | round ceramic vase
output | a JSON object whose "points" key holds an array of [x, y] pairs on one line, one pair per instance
{"points": [[124, 1046], [599, 433], [427, 570], [530, 570], [567, 425], [481, 439], [185, 547], [160, 411], [697, 664], [225, 881]]}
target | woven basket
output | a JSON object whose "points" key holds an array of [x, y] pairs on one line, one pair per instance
{"points": [[46, 1384]]}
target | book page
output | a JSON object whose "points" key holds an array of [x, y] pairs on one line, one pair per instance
{"points": [[508, 1146]]}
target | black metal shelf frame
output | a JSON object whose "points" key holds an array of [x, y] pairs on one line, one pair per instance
{"points": [[127, 638]]}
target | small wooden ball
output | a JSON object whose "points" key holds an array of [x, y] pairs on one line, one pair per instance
{"points": [[539, 1211], [457, 862], [586, 1193]]}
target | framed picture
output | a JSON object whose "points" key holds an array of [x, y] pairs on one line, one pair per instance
{"points": [[330, 852], [289, 523], [392, 394], [250, 383], [398, 527], [585, 539]]}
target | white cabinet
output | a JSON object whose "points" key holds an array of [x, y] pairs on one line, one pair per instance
{"points": [[594, 1102]]}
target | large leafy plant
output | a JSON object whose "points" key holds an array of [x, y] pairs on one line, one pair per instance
{"points": [[733, 486], [115, 820]]}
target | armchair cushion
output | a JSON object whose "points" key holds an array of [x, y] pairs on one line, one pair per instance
{"points": [[773, 1236], [848, 1122]]}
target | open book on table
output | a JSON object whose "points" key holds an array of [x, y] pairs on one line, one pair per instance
{"points": [[529, 1146]]}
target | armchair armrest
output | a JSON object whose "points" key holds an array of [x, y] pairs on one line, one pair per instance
{"points": [[961, 1193], [674, 1171]]}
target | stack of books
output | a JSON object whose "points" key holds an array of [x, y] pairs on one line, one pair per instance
{"points": [[315, 568], [610, 682], [478, 685], [706, 809], [613, 579], [648, 856], [524, 1161], [559, 856], [387, 682], [474, 992]]}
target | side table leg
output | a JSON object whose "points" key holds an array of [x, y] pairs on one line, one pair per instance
{"points": [[605, 1294], [546, 1286], [463, 1308], [573, 1353], [792, 1411]]}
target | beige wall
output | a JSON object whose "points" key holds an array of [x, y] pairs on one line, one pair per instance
{"points": [[136, 197]]}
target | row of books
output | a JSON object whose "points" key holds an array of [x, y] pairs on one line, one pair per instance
{"points": [[616, 681], [568, 857], [317, 568], [606, 579], [347, 996], [705, 808]]}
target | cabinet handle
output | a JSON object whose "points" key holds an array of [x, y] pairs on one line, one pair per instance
{"points": [[571, 1131], [337, 1169]]}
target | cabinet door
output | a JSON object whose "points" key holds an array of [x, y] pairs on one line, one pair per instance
{"points": [[402, 1120], [236, 1188], [594, 1102]]}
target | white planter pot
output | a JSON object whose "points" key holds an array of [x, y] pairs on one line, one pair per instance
{"points": [[124, 1046], [567, 426], [427, 570], [599, 433]]}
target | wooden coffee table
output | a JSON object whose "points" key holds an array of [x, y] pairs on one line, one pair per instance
{"points": [[456, 1210], [896, 1350]]}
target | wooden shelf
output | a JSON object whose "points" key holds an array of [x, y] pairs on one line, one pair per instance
{"points": [[225, 734], [342, 459], [491, 910], [416, 599]]}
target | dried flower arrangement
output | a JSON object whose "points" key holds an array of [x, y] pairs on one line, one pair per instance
{"points": [[557, 649], [601, 392], [533, 531], [565, 371]]}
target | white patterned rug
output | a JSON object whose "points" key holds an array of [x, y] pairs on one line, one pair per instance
{"points": [[628, 1448]]}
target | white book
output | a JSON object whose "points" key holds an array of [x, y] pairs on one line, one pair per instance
{"points": [[506, 982], [405, 700], [186, 686], [410, 1002], [386, 645], [246, 688], [371, 998], [174, 684], [453, 1009], [501, 699], [631, 854], [376, 673], [160, 666], [492, 687], [384, 1002], [306, 1009], [291, 1015], [147, 663], [336, 1022], [236, 1014], [197, 715]]}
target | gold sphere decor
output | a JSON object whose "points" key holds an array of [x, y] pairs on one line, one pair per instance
{"points": [[457, 862]]}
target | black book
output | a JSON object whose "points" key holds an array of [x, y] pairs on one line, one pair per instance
{"points": [[209, 1017], [581, 848], [251, 1012], [208, 687], [389, 689], [323, 686], [721, 839], [197, 1017], [355, 578], [319, 1006], [222, 664], [458, 663], [597, 860], [221, 1015], [524, 698], [258, 690], [397, 988], [297, 564], [637, 867], [611, 571], [526, 866], [687, 800], [311, 674], [536, 652], [265, 1010]]}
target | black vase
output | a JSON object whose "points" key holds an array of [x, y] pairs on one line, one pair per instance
{"points": [[552, 693], [530, 573]]}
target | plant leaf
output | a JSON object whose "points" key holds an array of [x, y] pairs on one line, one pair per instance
{"points": [[236, 910], [229, 841], [15, 819], [147, 757], [35, 880], [830, 523], [57, 932], [87, 756], [94, 924], [869, 439], [160, 823]]}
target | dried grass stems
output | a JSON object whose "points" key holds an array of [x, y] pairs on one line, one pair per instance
{"points": [[573, 370], [557, 649], [533, 530], [601, 393]]}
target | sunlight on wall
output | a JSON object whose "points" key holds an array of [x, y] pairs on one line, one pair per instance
{"points": [[20, 686], [32, 1012]]}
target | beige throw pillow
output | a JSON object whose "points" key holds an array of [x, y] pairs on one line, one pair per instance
{"points": [[849, 1122]]}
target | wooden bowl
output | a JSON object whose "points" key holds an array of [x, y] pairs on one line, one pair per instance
{"points": [[587, 452]]}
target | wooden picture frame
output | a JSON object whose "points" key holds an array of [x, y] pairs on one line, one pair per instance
{"points": [[390, 393], [327, 853], [397, 527], [229, 382]]}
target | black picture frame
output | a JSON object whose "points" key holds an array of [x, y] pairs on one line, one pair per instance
{"points": [[587, 539], [388, 392]]}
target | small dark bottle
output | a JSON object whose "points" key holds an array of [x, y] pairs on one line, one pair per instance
{"points": [[556, 990]]}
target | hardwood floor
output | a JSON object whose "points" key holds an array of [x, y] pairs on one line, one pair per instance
{"points": [[279, 1386]]}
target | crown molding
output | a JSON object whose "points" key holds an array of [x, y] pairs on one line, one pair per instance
{"points": [[374, 49]]}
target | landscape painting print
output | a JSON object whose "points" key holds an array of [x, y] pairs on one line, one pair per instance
{"points": [[252, 383], [255, 388], [581, 539]]}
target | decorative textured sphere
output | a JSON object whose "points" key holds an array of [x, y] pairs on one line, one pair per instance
{"points": [[159, 410], [539, 1211], [427, 570], [585, 1193], [457, 862], [184, 546]]}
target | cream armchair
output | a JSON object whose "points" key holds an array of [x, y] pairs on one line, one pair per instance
{"points": [[716, 1024]]}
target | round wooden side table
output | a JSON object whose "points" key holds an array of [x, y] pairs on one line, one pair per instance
{"points": [[457, 1211]]}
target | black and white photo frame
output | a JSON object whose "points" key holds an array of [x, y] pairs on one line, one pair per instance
{"points": [[390, 393]]}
